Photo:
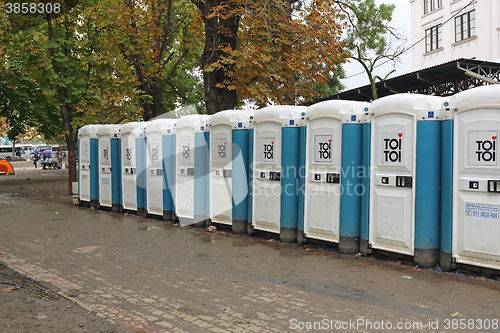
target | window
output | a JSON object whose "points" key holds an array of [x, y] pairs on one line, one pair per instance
{"points": [[465, 26], [433, 38], [432, 5]]}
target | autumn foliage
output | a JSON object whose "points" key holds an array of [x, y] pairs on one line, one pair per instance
{"points": [[284, 49]]}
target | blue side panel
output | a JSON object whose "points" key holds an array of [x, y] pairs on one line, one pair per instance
{"points": [[446, 185], [168, 171], [240, 174], [302, 175], [79, 173], [352, 188], [365, 198], [140, 146], [290, 138], [116, 177], [250, 174], [200, 175], [94, 169], [428, 182]]}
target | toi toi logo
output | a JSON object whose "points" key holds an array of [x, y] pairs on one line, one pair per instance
{"points": [[325, 149], [486, 150], [392, 148], [483, 148], [268, 151], [221, 150], [154, 154], [185, 152], [105, 154]]}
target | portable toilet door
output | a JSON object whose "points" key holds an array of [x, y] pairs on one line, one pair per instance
{"points": [[405, 176], [276, 150], [88, 184], [109, 151], [192, 163], [333, 187], [229, 134], [160, 150], [476, 177], [132, 154]]}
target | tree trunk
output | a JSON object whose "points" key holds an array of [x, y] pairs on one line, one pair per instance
{"points": [[217, 98], [13, 149], [70, 142]]}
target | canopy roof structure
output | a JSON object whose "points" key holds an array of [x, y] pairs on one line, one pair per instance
{"points": [[441, 80]]}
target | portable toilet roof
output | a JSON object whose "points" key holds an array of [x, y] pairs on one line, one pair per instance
{"points": [[482, 96], [90, 130], [425, 107], [164, 126], [343, 109], [237, 119], [136, 127], [288, 115], [110, 129], [197, 121]]}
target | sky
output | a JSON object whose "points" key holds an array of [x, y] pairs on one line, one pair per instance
{"points": [[401, 19]]}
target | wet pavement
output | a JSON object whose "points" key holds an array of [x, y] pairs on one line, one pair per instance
{"points": [[152, 276]]}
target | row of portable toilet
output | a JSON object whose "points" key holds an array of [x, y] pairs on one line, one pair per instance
{"points": [[410, 174]]}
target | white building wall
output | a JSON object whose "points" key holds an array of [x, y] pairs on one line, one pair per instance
{"points": [[485, 45]]}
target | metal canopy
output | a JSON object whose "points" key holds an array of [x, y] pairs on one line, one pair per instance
{"points": [[441, 80]]}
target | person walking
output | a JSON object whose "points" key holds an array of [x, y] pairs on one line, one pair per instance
{"points": [[35, 159], [44, 160]]}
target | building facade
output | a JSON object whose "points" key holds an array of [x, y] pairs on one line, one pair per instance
{"points": [[445, 30]]}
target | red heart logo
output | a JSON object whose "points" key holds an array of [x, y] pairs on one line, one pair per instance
{"points": [[330, 140], [494, 137], [400, 134], [272, 143]]}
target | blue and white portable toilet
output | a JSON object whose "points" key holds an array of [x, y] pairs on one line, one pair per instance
{"points": [[229, 135], [275, 174], [133, 153], [160, 173], [405, 176], [333, 173], [473, 229], [88, 166], [108, 137], [192, 170]]}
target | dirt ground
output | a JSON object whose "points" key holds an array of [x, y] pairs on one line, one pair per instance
{"points": [[93, 271], [27, 305]]}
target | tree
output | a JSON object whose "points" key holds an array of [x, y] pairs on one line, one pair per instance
{"points": [[221, 20], [56, 51], [160, 40], [368, 36], [285, 51]]}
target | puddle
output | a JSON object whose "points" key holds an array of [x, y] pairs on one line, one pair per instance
{"points": [[149, 228]]}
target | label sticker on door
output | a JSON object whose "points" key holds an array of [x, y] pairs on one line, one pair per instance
{"points": [[483, 148], [154, 153], [128, 153], [105, 153], [266, 149], [322, 148], [480, 210], [186, 150], [391, 149], [221, 153]]}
